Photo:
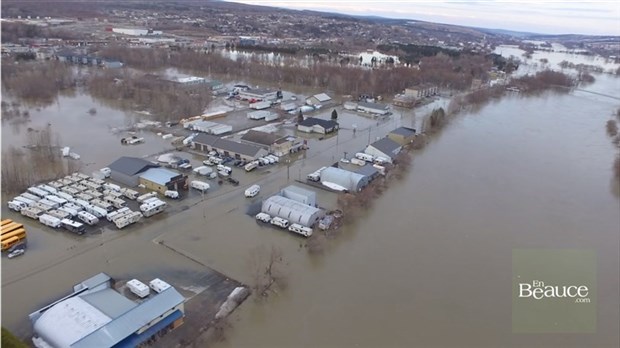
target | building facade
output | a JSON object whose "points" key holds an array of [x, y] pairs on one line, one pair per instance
{"points": [[162, 180]]}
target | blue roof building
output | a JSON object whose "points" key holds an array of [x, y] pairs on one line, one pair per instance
{"points": [[97, 315]]}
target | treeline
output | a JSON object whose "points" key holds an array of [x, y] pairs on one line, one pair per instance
{"points": [[166, 100], [35, 82], [543, 80], [441, 70], [412, 53]]}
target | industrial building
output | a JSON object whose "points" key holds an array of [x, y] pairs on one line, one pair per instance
{"points": [[353, 182], [127, 170], [207, 127], [96, 314], [402, 135], [258, 94], [422, 91], [162, 180], [293, 211], [248, 152], [262, 139], [373, 108], [317, 125], [404, 101], [300, 195], [318, 99], [385, 148]]}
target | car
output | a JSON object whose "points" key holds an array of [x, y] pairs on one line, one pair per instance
{"points": [[233, 181], [236, 163], [16, 253], [344, 160]]}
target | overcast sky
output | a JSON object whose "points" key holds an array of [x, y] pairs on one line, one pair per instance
{"points": [[548, 17]]}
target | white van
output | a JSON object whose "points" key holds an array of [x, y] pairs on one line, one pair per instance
{"points": [[73, 206], [118, 213], [88, 218], [67, 197], [200, 185], [68, 210], [223, 168], [280, 222], [364, 157], [111, 187], [38, 192], [31, 197], [48, 189], [146, 196], [106, 172], [56, 199], [103, 205], [127, 219], [297, 228], [49, 203], [251, 166], [158, 285], [49, 220], [129, 193], [152, 208], [138, 288], [26, 201], [73, 226], [252, 191], [171, 194], [264, 217], [60, 214], [32, 212], [17, 205], [98, 212], [275, 158]]}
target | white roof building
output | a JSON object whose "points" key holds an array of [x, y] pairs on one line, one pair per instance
{"points": [[293, 211]]}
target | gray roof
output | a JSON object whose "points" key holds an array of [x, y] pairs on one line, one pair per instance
{"points": [[206, 139], [386, 145], [128, 323], [131, 165], [367, 170], [159, 176], [373, 105], [311, 121], [227, 145], [110, 302], [404, 131], [259, 137]]}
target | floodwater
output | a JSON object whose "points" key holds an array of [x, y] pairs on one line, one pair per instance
{"points": [[430, 264], [96, 138]]}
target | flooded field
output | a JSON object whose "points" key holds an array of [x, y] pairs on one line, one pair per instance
{"points": [[429, 264]]}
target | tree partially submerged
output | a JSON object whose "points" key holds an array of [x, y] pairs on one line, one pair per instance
{"points": [[267, 270]]}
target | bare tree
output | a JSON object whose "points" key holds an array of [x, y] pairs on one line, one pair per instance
{"points": [[267, 267]]}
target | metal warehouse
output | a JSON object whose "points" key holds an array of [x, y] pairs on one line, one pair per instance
{"points": [[293, 211], [127, 170], [299, 194], [161, 180], [353, 182], [96, 315]]}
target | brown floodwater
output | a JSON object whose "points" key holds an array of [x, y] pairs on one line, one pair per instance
{"points": [[429, 264]]}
